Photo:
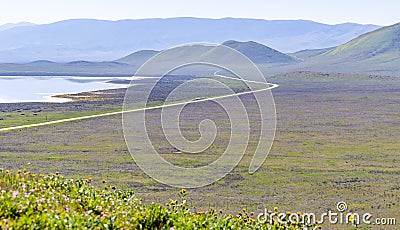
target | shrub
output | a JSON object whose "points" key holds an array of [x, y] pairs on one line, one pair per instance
{"points": [[30, 201]]}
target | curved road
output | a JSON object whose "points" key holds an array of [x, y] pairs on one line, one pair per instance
{"points": [[272, 86]]}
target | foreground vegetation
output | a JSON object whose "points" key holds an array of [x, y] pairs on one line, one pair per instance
{"points": [[30, 201]]}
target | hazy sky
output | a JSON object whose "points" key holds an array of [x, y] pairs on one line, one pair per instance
{"points": [[381, 12]]}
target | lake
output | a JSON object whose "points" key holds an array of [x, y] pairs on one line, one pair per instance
{"points": [[16, 89]]}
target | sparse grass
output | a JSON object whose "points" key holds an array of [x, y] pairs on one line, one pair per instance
{"points": [[336, 140]]}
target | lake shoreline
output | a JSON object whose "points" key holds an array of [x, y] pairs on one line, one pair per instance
{"points": [[62, 96]]}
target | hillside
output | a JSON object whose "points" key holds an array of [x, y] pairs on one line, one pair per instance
{"points": [[259, 53], [137, 58], [100, 40], [309, 53], [256, 52], [377, 52], [381, 45], [14, 25]]}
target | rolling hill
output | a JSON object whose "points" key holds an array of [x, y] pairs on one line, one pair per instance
{"points": [[137, 58], [100, 40], [127, 65], [381, 45], [15, 25], [309, 53], [256, 52], [259, 53], [376, 52]]}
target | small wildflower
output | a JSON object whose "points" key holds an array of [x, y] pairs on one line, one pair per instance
{"points": [[275, 209], [183, 191], [113, 187], [19, 171], [15, 194], [57, 173], [7, 171], [103, 181]]}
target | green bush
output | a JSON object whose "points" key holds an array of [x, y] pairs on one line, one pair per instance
{"points": [[30, 201]]}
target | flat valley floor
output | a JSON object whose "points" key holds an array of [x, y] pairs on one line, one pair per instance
{"points": [[337, 139]]}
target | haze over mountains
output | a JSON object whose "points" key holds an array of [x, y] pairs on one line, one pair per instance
{"points": [[99, 40], [376, 52], [15, 25], [257, 53]]}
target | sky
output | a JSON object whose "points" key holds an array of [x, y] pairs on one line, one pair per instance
{"points": [[378, 12]]}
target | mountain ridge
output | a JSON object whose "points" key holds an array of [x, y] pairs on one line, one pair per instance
{"points": [[102, 40], [8, 26], [376, 52]]}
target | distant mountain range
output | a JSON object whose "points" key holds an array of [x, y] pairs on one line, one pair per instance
{"points": [[99, 40], [376, 52], [257, 53], [15, 25]]}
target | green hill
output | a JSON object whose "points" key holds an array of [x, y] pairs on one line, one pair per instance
{"points": [[381, 43], [259, 53], [256, 52], [309, 53], [138, 58], [378, 50]]}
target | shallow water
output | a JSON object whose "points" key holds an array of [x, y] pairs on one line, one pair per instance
{"points": [[15, 89]]}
